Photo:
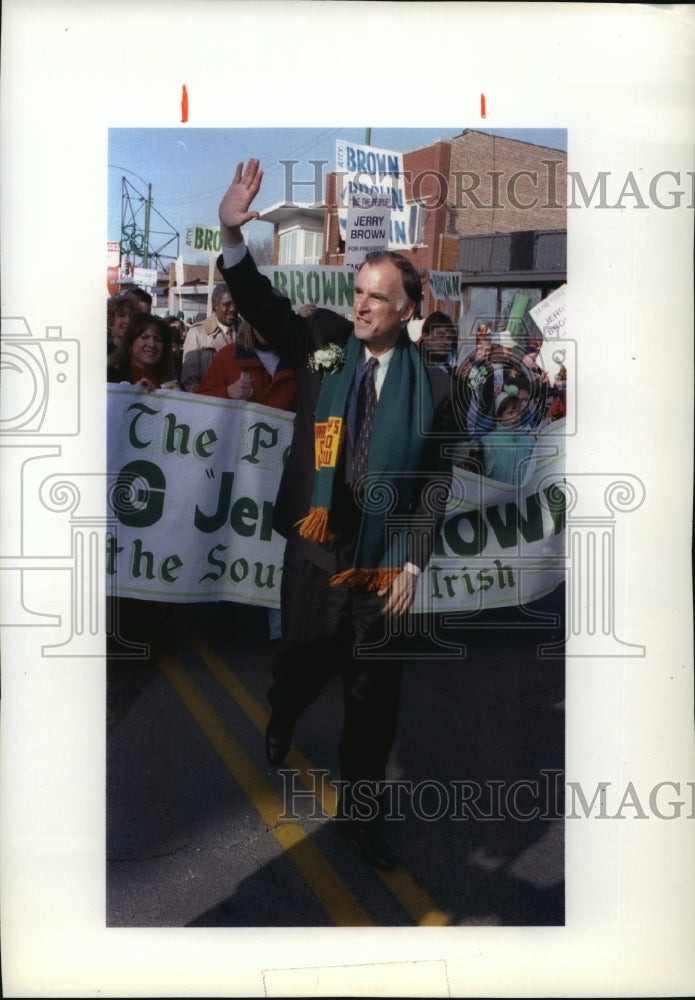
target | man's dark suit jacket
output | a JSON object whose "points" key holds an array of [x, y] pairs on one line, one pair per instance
{"points": [[296, 338]]}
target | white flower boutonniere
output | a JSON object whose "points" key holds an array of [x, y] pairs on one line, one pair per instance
{"points": [[328, 360]]}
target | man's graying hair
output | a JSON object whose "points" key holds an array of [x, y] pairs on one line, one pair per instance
{"points": [[411, 279], [218, 291]]}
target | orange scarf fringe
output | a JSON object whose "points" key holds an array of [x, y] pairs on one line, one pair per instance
{"points": [[315, 528], [370, 579]]}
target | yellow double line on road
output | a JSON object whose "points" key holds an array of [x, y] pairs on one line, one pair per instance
{"points": [[341, 906]]}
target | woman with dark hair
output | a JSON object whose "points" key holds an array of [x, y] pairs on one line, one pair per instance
{"points": [[120, 309], [145, 356], [249, 369]]}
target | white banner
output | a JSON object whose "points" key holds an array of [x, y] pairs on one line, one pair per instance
{"points": [[193, 481]]}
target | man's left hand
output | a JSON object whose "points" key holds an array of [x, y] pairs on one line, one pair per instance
{"points": [[401, 594]]}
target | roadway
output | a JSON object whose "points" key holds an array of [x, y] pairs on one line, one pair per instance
{"points": [[201, 831]]}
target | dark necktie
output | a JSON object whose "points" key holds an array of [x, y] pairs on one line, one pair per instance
{"points": [[366, 405]]}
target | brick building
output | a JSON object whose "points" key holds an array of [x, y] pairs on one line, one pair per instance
{"points": [[472, 185]]}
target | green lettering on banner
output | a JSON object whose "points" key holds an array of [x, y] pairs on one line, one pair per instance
{"points": [[174, 431], [140, 557], [507, 531], [167, 568], [328, 287], [113, 550], [176, 438], [207, 239], [454, 527], [346, 288], [140, 409], [204, 441], [217, 564], [238, 571], [259, 442], [505, 576], [297, 286], [244, 510], [137, 483], [312, 287], [258, 580], [213, 522]]}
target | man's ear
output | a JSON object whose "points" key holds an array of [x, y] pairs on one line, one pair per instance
{"points": [[407, 312]]}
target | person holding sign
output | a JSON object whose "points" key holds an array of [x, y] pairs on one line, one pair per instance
{"points": [[368, 424], [250, 369]]}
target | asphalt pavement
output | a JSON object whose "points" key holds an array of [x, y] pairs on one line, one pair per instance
{"points": [[201, 831]]}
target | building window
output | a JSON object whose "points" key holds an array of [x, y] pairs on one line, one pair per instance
{"points": [[288, 247], [300, 246]]}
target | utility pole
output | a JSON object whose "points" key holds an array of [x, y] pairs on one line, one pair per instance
{"points": [[368, 137], [148, 205]]}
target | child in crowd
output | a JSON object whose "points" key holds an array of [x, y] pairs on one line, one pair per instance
{"points": [[507, 448]]}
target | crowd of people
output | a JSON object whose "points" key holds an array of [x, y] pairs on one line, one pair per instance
{"points": [[501, 395]]}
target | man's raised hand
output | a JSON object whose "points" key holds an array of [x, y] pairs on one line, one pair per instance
{"points": [[234, 207]]}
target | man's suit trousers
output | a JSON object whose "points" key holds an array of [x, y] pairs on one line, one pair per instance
{"points": [[339, 630]]}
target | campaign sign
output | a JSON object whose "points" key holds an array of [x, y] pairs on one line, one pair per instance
{"points": [[374, 175]]}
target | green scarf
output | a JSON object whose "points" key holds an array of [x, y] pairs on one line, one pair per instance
{"points": [[402, 419]]}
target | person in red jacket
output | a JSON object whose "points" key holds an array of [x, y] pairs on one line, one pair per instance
{"points": [[249, 369]]}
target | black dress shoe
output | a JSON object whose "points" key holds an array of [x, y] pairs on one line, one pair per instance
{"points": [[372, 844], [278, 736]]}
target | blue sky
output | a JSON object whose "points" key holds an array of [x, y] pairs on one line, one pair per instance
{"points": [[189, 169]]}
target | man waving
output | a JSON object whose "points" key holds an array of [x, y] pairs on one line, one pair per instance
{"points": [[360, 503]]}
